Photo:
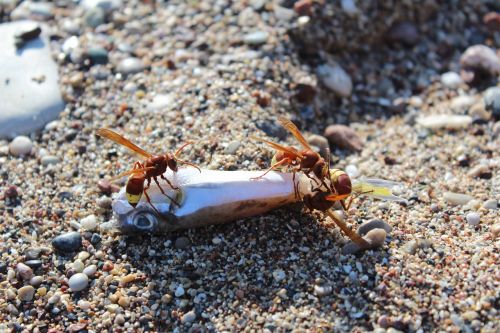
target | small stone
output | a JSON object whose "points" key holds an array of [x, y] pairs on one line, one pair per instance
{"points": [[384, 321], [321, 142], [95, 239], [83, 304], [90, 270], [352, 171], [232, 147], [26, 293], [478, 171], [444, 121], [35, 281], [495, 230], [349, 7], [373, 224], [166, 299], [94, 17], [279, 275], [130, 66], [451, 80], [21, 145], [412, 246], [119, 319], [24, 271], [104, 186], [336, 79], [179, 291], [188, 317], [78, 265], [160, 102], [256, 38], [457, 199], [76, 81], [479, 62], [98, 56], [403, 32], [492, 101], [216, 240], [89, 223], [462, 103], [182, 243], [490, 204], [34, 264], [49, 160], [78, 282], [32, 253], [303, 7], [104, 202], [321, 290], [128, 278], [124, 302], [26, 34], [470, 315], [376, 237], [67, 242], [473, 218], [343, 137], [10, 294]]}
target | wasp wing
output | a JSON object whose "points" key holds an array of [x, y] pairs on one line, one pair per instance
{"points": [[290, 127], [115, 137], [377, 188], [279, 147]]}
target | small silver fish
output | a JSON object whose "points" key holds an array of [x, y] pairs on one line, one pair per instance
{"points": [[209, 197]]}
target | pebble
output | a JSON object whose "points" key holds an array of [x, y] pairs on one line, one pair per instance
{"points": [[232, 147], [128, 278], [490, 204], [336, 79], [352, 171], [457, 198], [462, 103], [495, 230], [375, 237], [98, 55], [279, 275], [124, 302], [343, 137], [321, 290], [35, 281], [403, 32], [34, 264], [78, 282], [182, 243], [89, 223], [160, 102], [451, 80], [349, 7], [444, 121], [320, 142], [373, 224], [90, 270], [24, 271], [492, 101], [32, 253], [49, 160], [188, 317], [119, 319], [179, 291], [477, 61], [94, 17], [256, 38], [216, 240], [478, 171], [473, 218], [412, 246], [130, 66], [303, 7], [21, 145], [68, 242], [26, 293], [78, 265], [104, 202], [83, 304]]}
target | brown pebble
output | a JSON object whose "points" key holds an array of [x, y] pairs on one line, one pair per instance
{"points": [[128, 278], [263, 98], [104, 186], [343, 137], [303, 7], [24, 271], [124, 302]]}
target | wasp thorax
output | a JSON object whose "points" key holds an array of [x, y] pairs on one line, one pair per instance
{"points": [[341, 182]]}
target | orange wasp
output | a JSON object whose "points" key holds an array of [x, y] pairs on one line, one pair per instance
{"points": [[152, 167], [307, 160]]}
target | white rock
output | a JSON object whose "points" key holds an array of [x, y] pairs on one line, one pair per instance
{"points": [[89, 222], [160, 103], [322, 290], [179, 291], [188, 317], [451, 80], [130, 66], [462, 103], [491, 204], [349, 7], [216, 240], [27, 105], [90, 270], [336, 79], [78, 265], [21, 145], [473, 218], [457, 198], [279, 275], [256, 38], [103, 4], [447, 121], [352, 171], [78, 282]]}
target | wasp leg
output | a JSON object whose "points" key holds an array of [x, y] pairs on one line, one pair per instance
{"points": [[274, 166], [165, 194], [169, 183], [147, 196], [349, 233]]}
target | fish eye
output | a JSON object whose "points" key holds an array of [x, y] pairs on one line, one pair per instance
{"points": [[144, 221]]}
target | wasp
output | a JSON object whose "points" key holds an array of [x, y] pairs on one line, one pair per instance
{"points": [[291, 159], [151, 168], [341, 188]]}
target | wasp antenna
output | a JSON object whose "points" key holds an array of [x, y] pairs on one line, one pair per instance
{"points": [[189, 163], [182, 147]]}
